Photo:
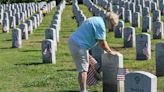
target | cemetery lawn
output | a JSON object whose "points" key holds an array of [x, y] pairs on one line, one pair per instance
{"points": [[21, 70]]}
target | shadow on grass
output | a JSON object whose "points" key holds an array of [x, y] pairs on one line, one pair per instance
{"points": [[118, 48], [30, 50], [74, 91], [35, 41], [69, 91], [66, 70], [28, 64], [8, 40], [6, 48]]}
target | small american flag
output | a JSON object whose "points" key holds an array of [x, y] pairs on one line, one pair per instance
{"points": [[128, 18], [129, 37], [5, 28], [91, 80], [120, 29], [12, 24], [121, 74], [145, 50], [47, 50], [120, 77], [162, 11], [17, 44], [158, 32], [92, 75]]}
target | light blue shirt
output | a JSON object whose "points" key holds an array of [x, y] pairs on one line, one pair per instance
{"points": [[89, 32]]}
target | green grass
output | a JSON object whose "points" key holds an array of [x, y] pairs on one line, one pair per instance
{"points": [[21, 70]]}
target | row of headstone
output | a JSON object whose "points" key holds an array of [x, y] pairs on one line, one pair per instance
{"points": [[142, 42], [138, 81], [137, 5], [96, 11], [117, 79], [104, 4], [135, 81], [47, 7], [22, 6], [129, 41], [51, 5], [134, 18], [130, 11], [10, 21], [127, 15], [22, 10], [32, 23], [159, 49], [25, 29], [49, 45], [78, 14]]}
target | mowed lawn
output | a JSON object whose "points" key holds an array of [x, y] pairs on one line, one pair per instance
{"points": [[21, 70]]}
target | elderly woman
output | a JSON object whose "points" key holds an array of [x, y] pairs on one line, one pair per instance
{"points": [[91, 32]]}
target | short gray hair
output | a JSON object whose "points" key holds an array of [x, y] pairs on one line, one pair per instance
{"points": [[112, 18]]}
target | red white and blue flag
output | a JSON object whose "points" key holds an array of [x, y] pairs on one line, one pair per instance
{"points": [[145, 50], [92, 74], [121, 74], [129, 37], [158, 32]]}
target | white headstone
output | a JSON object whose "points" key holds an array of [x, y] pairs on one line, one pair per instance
{"points": [[121, 13], [128, 16], [158, 32], [5, 25], [12, 22], [136, 19], [34, 21], [132, 7], [159, 59], [110, 66], [146, 21], [1, 14], [16, 38], [119, 29], [145, 11], [22, 16], [50, 33], [48, 51], [140, 81], [55, 26], [129, 37], [143, 46], [17, 17], [30, 26], [156, 15], [24, 29]]}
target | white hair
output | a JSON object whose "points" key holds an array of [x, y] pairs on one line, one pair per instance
{"points": [[111, 19]]}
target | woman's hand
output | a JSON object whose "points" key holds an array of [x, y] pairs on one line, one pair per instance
{"points": [[112, 52]]}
